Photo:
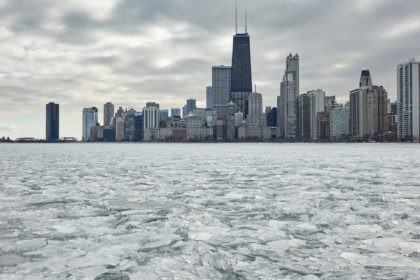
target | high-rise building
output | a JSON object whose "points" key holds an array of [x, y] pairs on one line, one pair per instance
{"points": [[209, 97], [120, 124], [189, 107], [331, 103], [241, 79], [339, 122], [304, 117], [323, 126], [255, 110], [163, 117], [271, 116], [241, 75], [221, 79], [52, 125], [408, 95], [368, 109], [317, 105], [108, 113], [289, 91], [151, 121], [151, 116], [133, 126], [90, 119], [175, 112]]}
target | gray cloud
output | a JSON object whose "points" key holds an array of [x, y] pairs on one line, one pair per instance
{"points": [[82, 54]]}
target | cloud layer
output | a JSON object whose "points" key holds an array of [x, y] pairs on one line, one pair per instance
{"points": [[82, 54]]}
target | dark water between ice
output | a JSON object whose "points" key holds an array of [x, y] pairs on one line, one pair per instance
{"points": [[210, 211]]}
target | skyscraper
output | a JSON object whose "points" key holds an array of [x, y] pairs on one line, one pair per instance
{"points": [[339, 122], [317, 105], [289, 91], [408, 96], [221, 80], [368, 109], [151, 121], [241, 64], [90, 119], [209, 97], [255, 107], [108, 113], [304, 117], [52, 126], [241, 77], [189, 107]]}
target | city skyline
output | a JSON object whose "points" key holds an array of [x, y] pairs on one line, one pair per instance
{"points": [[130, 53]]}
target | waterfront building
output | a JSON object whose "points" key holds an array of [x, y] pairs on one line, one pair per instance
{"points": [[280, 118], [323, 126], [241, 75], [339, 122], [255, 110], [231, 131], [221, 80], [95, 132], [151, 121], [317, 105], [108, 113], [289, 91], [196, 130], [408, 96], [90, 118], [108, 134], [119, 125], [52, 125], [304, 117], [368, 109], [133, 126]]}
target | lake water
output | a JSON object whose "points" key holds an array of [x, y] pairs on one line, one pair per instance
{"points": [[210, 211]]}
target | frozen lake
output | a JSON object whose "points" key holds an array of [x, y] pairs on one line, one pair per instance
{"points": [[209, 211]]}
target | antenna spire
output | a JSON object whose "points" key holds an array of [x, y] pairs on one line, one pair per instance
{"points": [[246, 21], [236, 16]]}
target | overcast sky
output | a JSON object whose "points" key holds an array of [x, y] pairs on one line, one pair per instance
{"points": [[86, 53]]}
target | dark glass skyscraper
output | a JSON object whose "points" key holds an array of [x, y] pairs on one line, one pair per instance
{"points": [[241, 78], [52, 122]]}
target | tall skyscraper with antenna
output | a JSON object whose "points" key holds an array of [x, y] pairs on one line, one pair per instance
{"points": [[241, 78]]}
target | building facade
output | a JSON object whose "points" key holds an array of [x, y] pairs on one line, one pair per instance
{"points": [[90, 119], [304, 117], [52, 125], [221, 79], [289, 92], [317, 105], [339, 122], [255, 110], [209, 97], [108, 113], [408, 99], [368, 109], [151, 120], [241, 77]]}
